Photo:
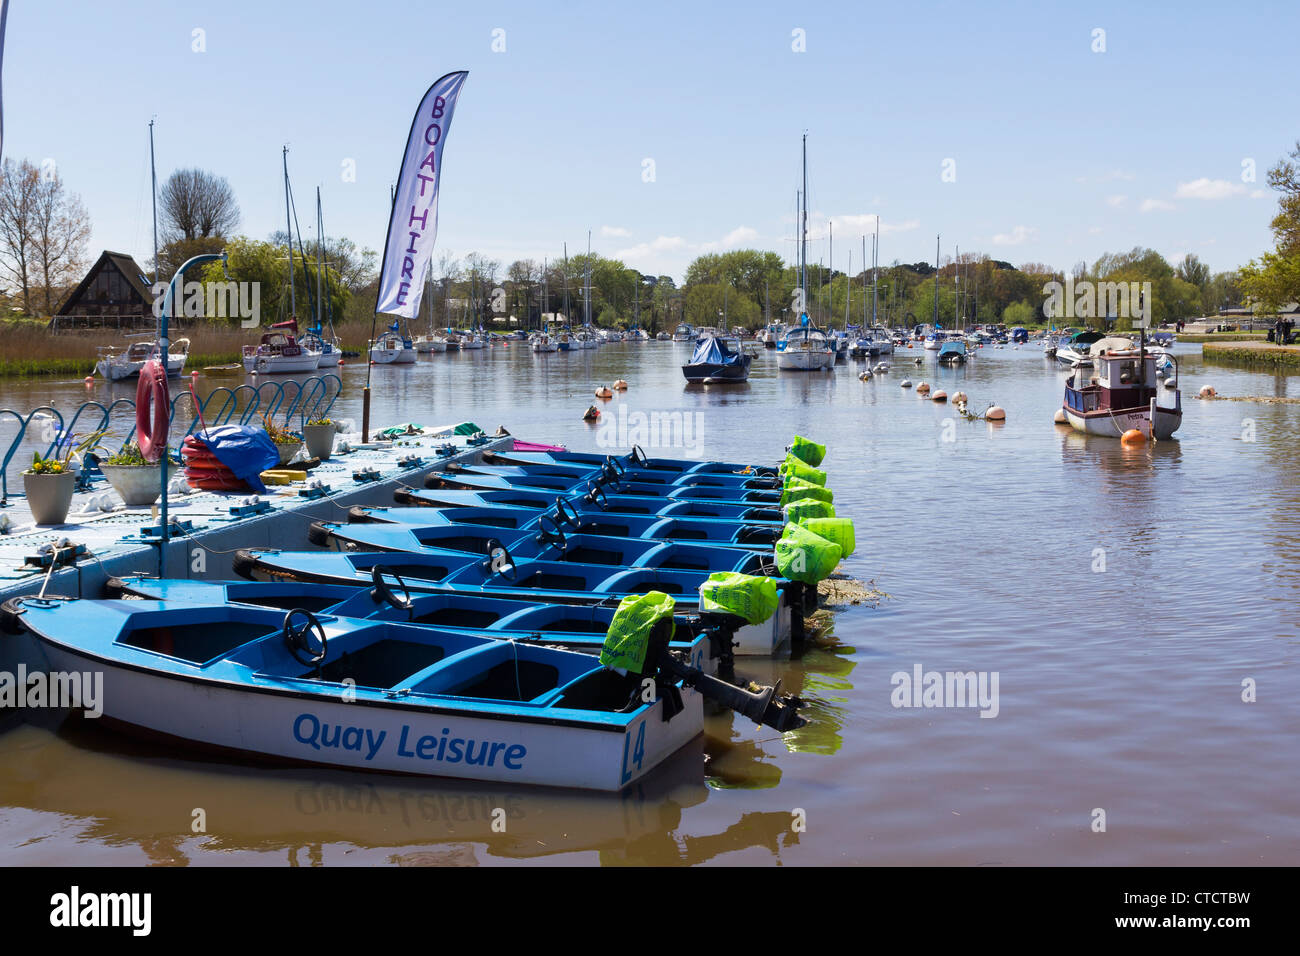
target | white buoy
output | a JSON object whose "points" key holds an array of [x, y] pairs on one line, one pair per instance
{"points": [[996, 414], [959, 397], [1059, 418], [1171, 383], [905, 383], [1207, 391], [865, 375]]}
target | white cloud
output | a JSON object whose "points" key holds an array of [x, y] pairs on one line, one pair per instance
{"points": [[737, 237], [865, 225], [615, 232], [1116, 202], [1206, 188], [656, 247], [1015, 237], [1258, 193], [1156, 205]]}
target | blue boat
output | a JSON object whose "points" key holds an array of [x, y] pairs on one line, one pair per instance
{"points": [[635, 459], [952, 352], [574, 518], [704, 639], [615, 471], [500, 574], [610, 503], [715, 364], [549, 543], [303, 688], [466, 480]]}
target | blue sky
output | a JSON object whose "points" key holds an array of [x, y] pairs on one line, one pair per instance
{"points": [[1061, 153]]}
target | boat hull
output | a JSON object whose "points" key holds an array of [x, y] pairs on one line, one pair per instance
{"points": [[275, 723], [1160, 424], [281, 364], [804, 360]]}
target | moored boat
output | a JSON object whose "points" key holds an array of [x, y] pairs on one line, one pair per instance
{"points": [[279, 352], [714, 363], [114, 365], [1123, 395]]}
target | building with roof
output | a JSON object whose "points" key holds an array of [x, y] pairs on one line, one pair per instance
{"points": [[115, 294]]}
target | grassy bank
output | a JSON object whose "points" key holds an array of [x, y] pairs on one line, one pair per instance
{"points": [[28, 350], [1249, 354], [1223, 337]]}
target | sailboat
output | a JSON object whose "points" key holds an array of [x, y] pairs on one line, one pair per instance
{"points": [[314, 338], [804, 347], [392, 348], [115, 363]]}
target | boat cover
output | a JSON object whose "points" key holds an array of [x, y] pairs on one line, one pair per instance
{"points": [[711, 350], [246, 450]]}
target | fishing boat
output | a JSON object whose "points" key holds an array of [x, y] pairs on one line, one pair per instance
{"points": [[366, 695], [715, 363], [1122, 395], [115, 364], [279, 352], [952, 352]]}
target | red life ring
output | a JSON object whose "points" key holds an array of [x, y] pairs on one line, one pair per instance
{"points": [[152, 423]]}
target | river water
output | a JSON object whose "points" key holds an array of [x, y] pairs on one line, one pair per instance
{"points": [[1127, 599]]}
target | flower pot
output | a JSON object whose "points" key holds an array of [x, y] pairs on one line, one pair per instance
{"points": [[320, 440], [139, 485], [287, 451], [49, 496]]}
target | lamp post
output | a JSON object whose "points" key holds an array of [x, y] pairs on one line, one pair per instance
{"points": [[169, 303]]}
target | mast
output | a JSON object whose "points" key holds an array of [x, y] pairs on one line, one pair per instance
{"points": [[803, 235], [546, 300], [288, 231], [153, 178], [848, 290], [830, 268], [875, 269], [956, 289], [586, 288], [319, 310], [936, 282], [567, 324]]}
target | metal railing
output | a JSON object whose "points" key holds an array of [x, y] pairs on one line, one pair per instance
{"points": [[310, 399]]}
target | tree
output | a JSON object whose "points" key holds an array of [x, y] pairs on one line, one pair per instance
{"points": [[62, 228], [1274, 280], [356, 267], [197, 204], [19, 188]]}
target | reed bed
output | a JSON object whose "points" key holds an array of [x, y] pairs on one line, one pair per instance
{"points": [[27, 349]]}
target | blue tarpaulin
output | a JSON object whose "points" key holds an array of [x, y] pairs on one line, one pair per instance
{"points": [[245, 450], [711, 351]]}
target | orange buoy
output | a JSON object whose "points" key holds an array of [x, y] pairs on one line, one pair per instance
{"points": [[340, 361], [1133, 436], [939, 396], [959, 397], [621, 385], [604, 392], [923, 388], [89, 380]]}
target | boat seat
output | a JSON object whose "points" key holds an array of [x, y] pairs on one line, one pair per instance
{"points": [[382, 664], [196, 644]]}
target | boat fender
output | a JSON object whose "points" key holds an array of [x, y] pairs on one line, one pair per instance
{"points": [[151, 410], [1060, 417]]}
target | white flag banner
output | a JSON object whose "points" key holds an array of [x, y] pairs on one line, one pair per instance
{"points": [[413, 225]]}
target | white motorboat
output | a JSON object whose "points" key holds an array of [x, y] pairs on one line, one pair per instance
{"points": [[280, 353], [1123, 395], [114, 365], [426, 344]]}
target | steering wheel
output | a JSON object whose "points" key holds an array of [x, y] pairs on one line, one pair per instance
{"points": [[608, 476], [499, 558], [554, 535], [296, 637], [565, 514], [596, 495], [616, 466], [382, 592], [637, 456]]}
